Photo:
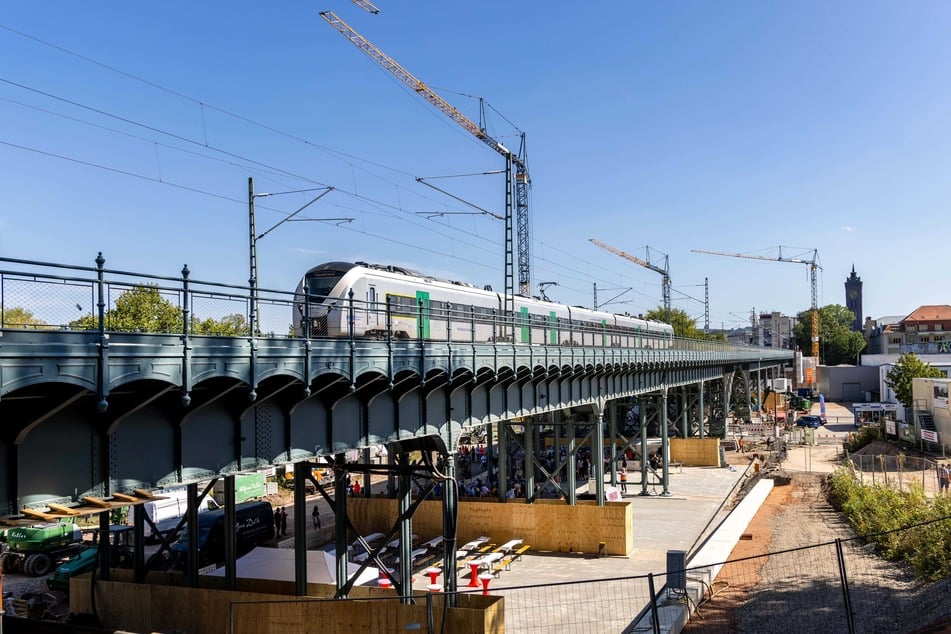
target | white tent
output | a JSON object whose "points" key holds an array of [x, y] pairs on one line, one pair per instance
{"points": [[278, 564]]}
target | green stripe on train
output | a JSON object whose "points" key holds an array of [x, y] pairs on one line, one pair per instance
{"points": [[422, 324]]}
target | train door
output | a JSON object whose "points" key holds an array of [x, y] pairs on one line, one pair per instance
{"points": [[373, 319]]}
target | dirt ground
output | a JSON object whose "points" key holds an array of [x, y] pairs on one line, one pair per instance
{"points": [[796, 514]]}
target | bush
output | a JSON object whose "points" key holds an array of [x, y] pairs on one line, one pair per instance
{"points": [[904, 525], [864, 436]]}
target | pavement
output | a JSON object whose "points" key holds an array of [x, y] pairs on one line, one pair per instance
{"points": [[616, 588]]}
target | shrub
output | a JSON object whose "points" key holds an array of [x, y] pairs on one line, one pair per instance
{"points": [[864, 436], [904, 525]]}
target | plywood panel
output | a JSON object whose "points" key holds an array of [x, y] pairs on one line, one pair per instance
{"points": [[695, 452], [120, 606]]}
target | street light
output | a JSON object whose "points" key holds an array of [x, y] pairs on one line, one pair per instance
{"points": [[253, 236]]}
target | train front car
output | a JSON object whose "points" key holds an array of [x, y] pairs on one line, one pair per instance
{"points": [[319, 298]]}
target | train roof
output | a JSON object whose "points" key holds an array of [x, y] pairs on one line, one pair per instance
{"points": [[346, 266]]}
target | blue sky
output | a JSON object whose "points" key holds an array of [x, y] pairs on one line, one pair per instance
{"points": [[132, 129]]}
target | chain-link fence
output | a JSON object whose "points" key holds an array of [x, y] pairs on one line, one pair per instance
{"points": [[898, 471], [50, 296], [55, 297], [831, 587]]}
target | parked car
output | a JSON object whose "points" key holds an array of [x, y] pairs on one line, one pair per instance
{"points": [[810, 421]]}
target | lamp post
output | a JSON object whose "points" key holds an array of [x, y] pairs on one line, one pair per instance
{"points": [[253, 237]]}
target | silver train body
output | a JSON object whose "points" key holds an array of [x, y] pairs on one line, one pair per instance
{"points": [[409, 305]]}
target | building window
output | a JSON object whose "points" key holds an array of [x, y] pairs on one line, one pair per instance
{"points": [[895, 340], [910, 328], [923, 328]]}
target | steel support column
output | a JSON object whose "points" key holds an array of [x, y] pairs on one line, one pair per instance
{"points": [[684, 418], [302, 474], [700, 408], [340, 522], [503, 449], [571, 467], [406, 536], [531, 432], [664, 442], [612, 434], [642, 412], [598, 452], [229, 537]]}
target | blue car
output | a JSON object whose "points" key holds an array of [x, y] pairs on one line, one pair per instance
{"points": [[810, 421]]}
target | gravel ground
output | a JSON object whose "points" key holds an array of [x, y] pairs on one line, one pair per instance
{"points": [[800, 590]]}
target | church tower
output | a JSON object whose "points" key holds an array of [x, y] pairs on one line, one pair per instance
{"points": [[853, 298]]}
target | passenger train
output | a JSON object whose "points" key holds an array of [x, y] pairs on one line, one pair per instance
{"points": [[410, 305]]}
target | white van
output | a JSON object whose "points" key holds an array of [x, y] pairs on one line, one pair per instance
{"points": [[167, 512]]}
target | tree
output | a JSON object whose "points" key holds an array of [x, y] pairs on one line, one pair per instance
{"points": [[838, 343], [144, 309], [20, 318], [909, 367], [684, 325], [139, 309], [228, 326]]}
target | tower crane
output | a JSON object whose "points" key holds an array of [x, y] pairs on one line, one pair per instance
{"points": [[665, 272], [813, 265], [513, 162]]}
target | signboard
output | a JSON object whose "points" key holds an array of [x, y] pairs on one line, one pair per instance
{"points": [[929, 435], [890, 426], [249, 486], [940, 395]]}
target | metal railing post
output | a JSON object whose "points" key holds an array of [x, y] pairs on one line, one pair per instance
{"points": [[655, 617], [844, 580]]}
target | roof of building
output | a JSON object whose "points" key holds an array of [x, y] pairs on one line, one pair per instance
{"points": [[929, 313]]}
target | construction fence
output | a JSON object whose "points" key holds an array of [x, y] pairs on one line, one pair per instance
{"points": [[836, 586], [897, 471]]}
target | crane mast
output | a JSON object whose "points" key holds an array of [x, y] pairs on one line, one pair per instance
{"points": [[813, 265], [665, 272], [516, 187]]}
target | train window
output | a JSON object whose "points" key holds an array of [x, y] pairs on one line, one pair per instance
{"points": [[403, 305], [321, 284]]}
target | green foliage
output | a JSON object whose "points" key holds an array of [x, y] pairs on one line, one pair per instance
{"points": [[139, 309], [904, 525], [864, 436], [838, 343], [144, 309], [20, 318], [229, 326], [909, 367], [684, 325]]}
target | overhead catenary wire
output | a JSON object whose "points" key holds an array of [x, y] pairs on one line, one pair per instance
{"points": [[203, 105], [265, 168]]}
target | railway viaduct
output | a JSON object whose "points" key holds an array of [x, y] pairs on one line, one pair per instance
{"points": [[92, 409]]}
